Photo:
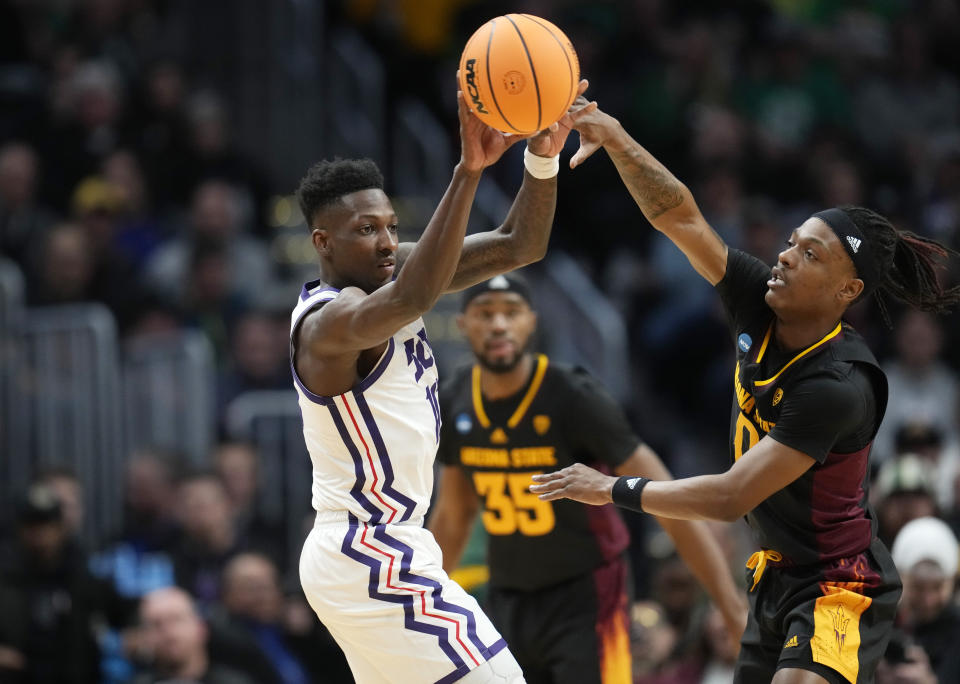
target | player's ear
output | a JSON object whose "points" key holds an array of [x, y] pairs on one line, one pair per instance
{"points": [[321, 240], [851, 290]]}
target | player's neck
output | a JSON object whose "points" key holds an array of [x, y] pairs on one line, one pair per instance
{"points": [[796, 335], [502, 385]]}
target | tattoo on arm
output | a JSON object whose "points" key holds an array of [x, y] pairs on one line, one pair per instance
{"points": [[654, 188]]}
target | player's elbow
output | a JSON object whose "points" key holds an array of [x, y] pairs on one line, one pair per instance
{"points": [[731, 500], [534, 253]]}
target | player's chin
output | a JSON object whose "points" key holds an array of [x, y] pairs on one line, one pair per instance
{"points": [[500, 364], [773, 298]]}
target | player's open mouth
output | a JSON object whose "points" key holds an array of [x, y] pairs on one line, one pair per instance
{"points": [[776, 280], [387, 265]]}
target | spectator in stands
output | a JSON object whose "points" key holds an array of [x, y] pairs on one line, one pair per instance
{"points": [[941, 461], [64, 272], [903, 491], [922, 388], [210, 538], [138, 560], [260, 356], [138, 233], [49, 602], [926, 552], [162, 140], [255, 608], [22, 220], [174, 641], [66, 486], [210, 304], [216, 221], [92, 129], [238, 465], [211, 153], [720, 650]]}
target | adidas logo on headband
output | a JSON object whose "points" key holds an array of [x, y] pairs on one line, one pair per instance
{"points": [[854, 243]]}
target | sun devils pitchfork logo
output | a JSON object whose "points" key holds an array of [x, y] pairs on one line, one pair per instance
{"points": [[840, 627]]}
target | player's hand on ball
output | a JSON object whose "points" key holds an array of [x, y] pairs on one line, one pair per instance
{"points": [[595, 128], [480, 145], [577, 482], [550, 141]]}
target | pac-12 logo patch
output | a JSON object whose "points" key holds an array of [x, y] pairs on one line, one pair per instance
{"points": [[463, 424], [777, 396], [744, 342]]}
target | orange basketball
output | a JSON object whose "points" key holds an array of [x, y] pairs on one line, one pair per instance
{"points": [[519, 73]]}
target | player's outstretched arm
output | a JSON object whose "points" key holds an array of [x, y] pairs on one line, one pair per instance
{"points": [[522, 238], [766, 468], [696, 545], [664, 200], [453, 514]]}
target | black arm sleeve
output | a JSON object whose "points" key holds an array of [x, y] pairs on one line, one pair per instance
{"points": [[595, 423], [821, 415], [742, 288]]}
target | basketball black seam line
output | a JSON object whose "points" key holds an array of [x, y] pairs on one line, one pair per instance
{"points": [[563, 48], [536, 84], [493, 95]]}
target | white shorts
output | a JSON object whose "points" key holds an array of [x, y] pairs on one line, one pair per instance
{"points": [[382, 592]]}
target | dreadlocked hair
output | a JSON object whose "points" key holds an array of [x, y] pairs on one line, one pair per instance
{"points": [[908, 264]]}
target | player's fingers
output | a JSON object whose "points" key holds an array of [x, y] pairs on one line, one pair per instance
{"points": [[581, 87], [548, 477], [586, 149], [552, 495], [580, 112]]}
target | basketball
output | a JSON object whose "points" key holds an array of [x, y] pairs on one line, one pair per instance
{"points": [[519, 73]]}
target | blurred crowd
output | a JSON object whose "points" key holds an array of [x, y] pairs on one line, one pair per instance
{"points": [[121, 182]]}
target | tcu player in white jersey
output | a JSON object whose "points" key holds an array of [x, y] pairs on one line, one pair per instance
{"points": [[367, 382]]}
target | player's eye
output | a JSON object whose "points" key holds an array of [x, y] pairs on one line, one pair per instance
{"points": [[788, 243], [366, 229], [810, 254], [393, 228]]}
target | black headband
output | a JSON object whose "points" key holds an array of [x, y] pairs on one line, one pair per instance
{"points": [[508, 282], [856, 246]]}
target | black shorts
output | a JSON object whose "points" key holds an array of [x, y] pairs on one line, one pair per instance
{"points": [[833, 619], [577, 632]]}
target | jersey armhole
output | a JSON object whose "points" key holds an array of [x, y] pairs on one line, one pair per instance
{"points": [[379, 367]]}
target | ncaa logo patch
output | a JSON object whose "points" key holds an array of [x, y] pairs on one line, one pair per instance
{"points": [[463, 424], [777, 396], [744, 342]]}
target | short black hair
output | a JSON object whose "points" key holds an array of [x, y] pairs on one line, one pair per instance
{"points": [[327, 181]]}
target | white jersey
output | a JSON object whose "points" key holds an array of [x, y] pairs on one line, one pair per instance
{"points": [[373, 446], [369, 569]]}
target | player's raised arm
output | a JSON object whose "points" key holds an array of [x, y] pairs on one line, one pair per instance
{"points": [[361, 318], [522, 238], [665, 201]]}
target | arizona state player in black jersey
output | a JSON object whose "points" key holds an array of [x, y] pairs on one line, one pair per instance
{"points": [[807, 403], [558, 578]]}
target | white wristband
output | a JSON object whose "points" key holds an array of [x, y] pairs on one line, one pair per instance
{"points": [[541, 167]]}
